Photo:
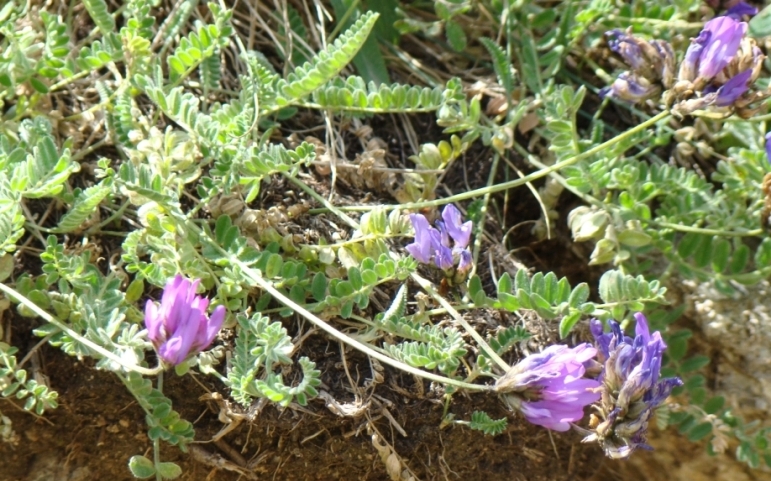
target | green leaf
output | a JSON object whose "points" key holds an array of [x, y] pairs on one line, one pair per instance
{"points": [[688, 245], [169, 470], [273, 266], [319, 287], [354, 276], [38, 85], [481, 421], [714, 405], [508, 302], [83, 207], [475, 286], [700, 431], [760, 25], [328, 63], [694, 363], [456, 37], [99, 13], [704, 252], [501, 65], [141, 467], [739, 259], [369, 61], [721, 250], [504, 283], [346, 310], [579, 295], [567, 323]]}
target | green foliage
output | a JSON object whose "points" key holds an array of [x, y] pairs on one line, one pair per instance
{"points": [[628, 293], [200, 45], [501, 64], [481, 421], [502, 343], [85, 204], [11, 217], [545, 294], [191, 125], [14, 382], [262, 347], [325, 65], [164, 423], [369, 61], [34, 164], [262, 162], [101, 52], [428, 346], [355, 95], [99, 13]]}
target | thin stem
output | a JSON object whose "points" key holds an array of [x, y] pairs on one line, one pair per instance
{"points": [[456, 315], [335, 210], [480, 227], [264, 284], [157, 441], [91, 345], [518, 182], [355, 240], [717, 232]]}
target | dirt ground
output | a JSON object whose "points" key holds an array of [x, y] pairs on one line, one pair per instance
{"points": [[98, 427]]}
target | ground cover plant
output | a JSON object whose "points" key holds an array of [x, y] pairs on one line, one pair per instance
{"points": [[348, 239]]}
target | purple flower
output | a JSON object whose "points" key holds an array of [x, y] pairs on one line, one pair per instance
{"points": [[768, 146], [549, 388], [692, 55], [652, 60], [180, 327], [423, 247], [628, 48], [733, 89], [719, 40], [740, 10], [631, 88], [631, 385], [447, 243], [458, 230]]}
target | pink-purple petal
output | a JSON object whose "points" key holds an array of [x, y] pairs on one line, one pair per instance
{"points": [[179, 327]]}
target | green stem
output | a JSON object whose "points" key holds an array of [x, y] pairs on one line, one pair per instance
{"points": [[321, 200], [717, 232], [86, 342], [265, 285], [157, 441], [518, 182], [456, 315]]}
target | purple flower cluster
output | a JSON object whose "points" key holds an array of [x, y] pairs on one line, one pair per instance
{"points": [[548, 388], [652, 63], [718, 70], [446, 244], [768, 146], [180, 327], [631, 386]]}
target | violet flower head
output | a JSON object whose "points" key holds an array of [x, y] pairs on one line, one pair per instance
{"points": [[179, 327], [548, 388], [631, 88], [457, 229], [720, 45], [768, 146], [423, 247], [740, 10], [446, 244], [631, 386], [733, 89], [627, 47]]}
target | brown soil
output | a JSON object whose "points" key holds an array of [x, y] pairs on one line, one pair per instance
{"points": [[98, 427]]}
